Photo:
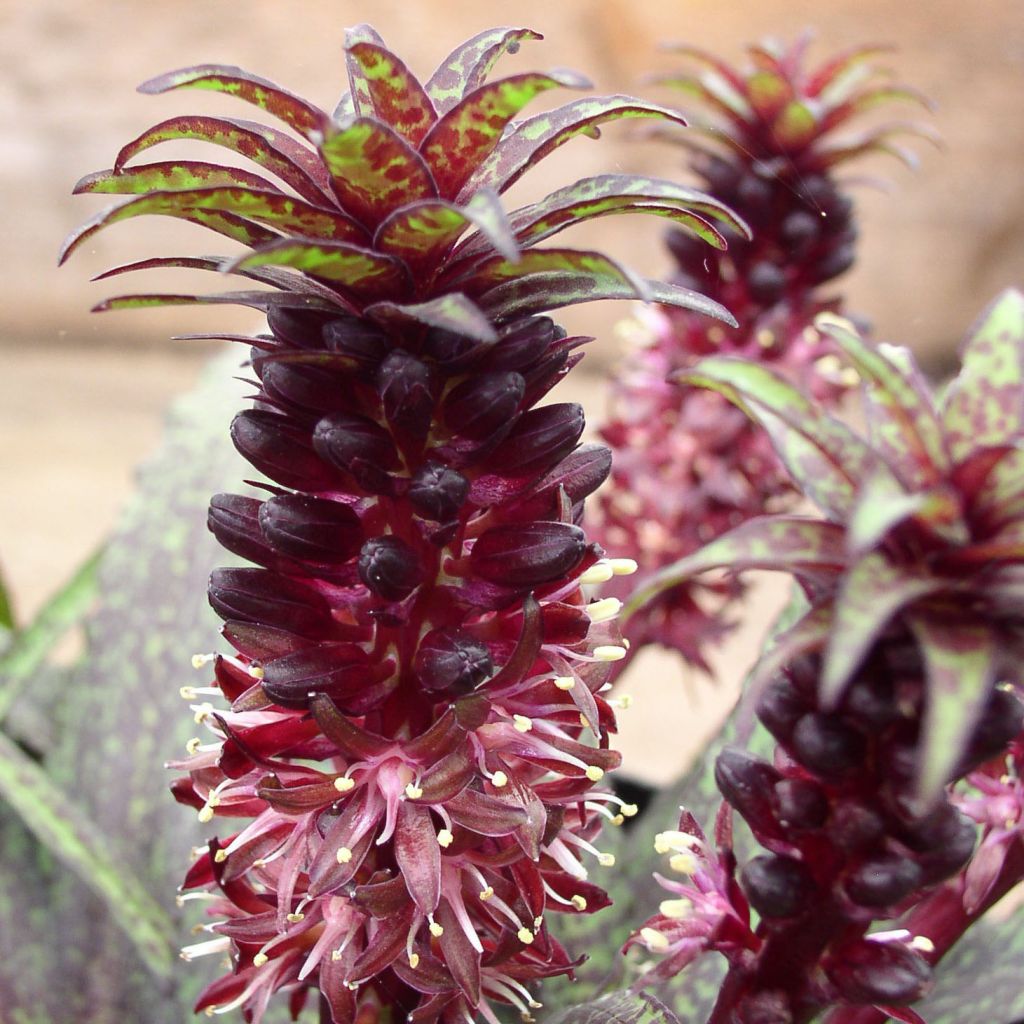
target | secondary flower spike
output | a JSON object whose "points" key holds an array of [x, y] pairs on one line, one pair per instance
{"points": [[408, 743]]}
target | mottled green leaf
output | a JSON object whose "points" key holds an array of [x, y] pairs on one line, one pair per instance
{"points": [[594, 266], [768, 92], [528, 142], [903, 422], [873, 590], [394, 92], [467, 133], [712, 90], [256, 300], [837, 69], [374, 170], [266, 147], [960, 662], [998, 499], [985, 403], [453, 312], [469, 64], [882, 503], [878, 140], [358, 101], [868, 99], [823, 455], [795, 126], [793, 544], [171, 175], [305, 118], [32, 645]]}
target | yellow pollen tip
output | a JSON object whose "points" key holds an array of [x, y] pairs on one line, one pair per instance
{"points": [[413, 792], [655, 941], [445, 838], [609, 652], [414, 960], [193, 745], [256, 671], [295, 918], [344, 855], [594, 773], [499, 779], [625, 702], [335, 955], [607, 608], [198, 661], [260, 959], [675, 910], [525, 936], [618, 819], [521, 723], [922, 944], [606, 860], [584, 721], [629, 810], [599, 572], [623, 566], [436, 930], [579, 902], [565, 682], [205, 814], [220, 856], [188, 692], [203, 711], [343, 784], [683, 863], [487, 893]]}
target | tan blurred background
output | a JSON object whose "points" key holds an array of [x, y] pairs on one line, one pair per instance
{"points": [[81, 397]]}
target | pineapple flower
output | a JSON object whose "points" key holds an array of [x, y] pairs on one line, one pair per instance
{"points": [[409, 741], [688, 466], [901, 678]]}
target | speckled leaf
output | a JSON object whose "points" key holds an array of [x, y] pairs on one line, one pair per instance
{"points": [[593, 265], [712, 90], [823, 455], [394, 92], [296, 112], [999, 499], [452, 312], [266, 147], [960, 662], [529, 141], [362, 271], [464, 137], [873, 590], [867, 99], [374, 170], [468, 65], [881, 504], [985, 403], [357, 101], [793, 544], [170, 175], [255, 300], [903, 422]]}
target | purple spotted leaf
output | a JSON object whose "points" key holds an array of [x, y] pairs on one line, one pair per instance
{"points": [[453, 312], [296, 112], [358, 101], [171, 175], [255, 300], [593, 266]]}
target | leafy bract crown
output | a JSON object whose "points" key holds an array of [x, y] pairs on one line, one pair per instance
{"points": [[380, 195]]}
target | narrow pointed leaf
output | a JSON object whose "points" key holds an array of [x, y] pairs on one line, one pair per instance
{"points": [[306, 119], [171, 175], [595, 265], [467, 66], [960, 661], [711, 90], [266, 147], [999, 500], [374, 170], [396, 96], [255, 300], [985, 403], [529, 141], [357, 101], [453, 312], [793, 544], [869, 98], [873, 590], [881, 505], [841, 65]]}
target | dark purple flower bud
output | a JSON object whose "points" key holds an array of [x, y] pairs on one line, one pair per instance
{"points": [[687, 249], [313, 529], [298, 328], [481, 406], [765, 1008], [880, 973], [799, 231], [748, 784], [766, 282], [358, 445], [526, 556], [454, 353], [580, 474], [524, 345], [338, 670], [307, 387], [755, 194], [837, 262], [234, 521], [280, 450], [827, 745], [854, 826], [405, 387], [800, 803], [944, 842], [871, 701], [780, 707], [358, 340], [540, 438], [452, 661], [389, 567], [777, 886], [437, 492], [262, 596], [883, 880]]}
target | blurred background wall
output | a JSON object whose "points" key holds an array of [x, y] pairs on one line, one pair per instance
{"points": [[81, 396]]}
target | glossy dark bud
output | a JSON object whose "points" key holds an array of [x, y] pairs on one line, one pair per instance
{"points": [[944, 842], [437, 492], [754, 194], [748, 784], [721, 175], [452, 661], [688, 250], [308, 387], [389, 567], [780, 707], [339, 670], [482, 405], [854, 827], [800, 803], [234, 521], [580, 474], [524, 344], [800, 231], [526, 556], [360, 341], [880, 973], [298, 328], [405, 385], [262, 596], [766, 282], [541, 438], [777, 886], [872, 702], [827, 745], [280, 450], [455, 353], [883, 880], [836, 262], [358, 445], [312, 529]]}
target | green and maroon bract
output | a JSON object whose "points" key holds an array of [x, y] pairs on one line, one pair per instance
{"points": [[408, 743], [902, 677], [688, 466]]}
